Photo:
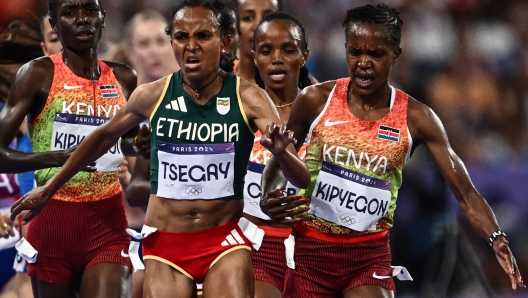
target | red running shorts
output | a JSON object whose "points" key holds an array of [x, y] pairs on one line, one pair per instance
{"points": [[331, 267], [269, 262], [193, 253], [72, 236]]}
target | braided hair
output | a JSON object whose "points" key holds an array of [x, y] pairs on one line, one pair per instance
{"points": [[377, 14], [304, 80]]}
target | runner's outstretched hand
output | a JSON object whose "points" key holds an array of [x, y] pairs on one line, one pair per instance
{"points": [[276, 138], [34, 201], [281, 209], [507, 261]]}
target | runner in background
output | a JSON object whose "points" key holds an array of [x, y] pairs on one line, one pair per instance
{"points": [[251, 12], [280, 53]]}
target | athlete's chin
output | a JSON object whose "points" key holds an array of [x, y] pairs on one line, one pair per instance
{"points": [[363, 90]]}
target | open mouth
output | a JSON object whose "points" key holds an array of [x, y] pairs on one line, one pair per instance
{"points": [[192, 62], [277, 75], [364, 79]]}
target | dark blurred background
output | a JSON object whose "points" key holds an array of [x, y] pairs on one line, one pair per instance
{"points": [[468, 60]]}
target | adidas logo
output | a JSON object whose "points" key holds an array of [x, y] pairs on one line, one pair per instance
{"points": [[233, 239], [177, 105]]}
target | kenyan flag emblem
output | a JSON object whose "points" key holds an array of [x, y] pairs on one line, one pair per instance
{"points": [[389, 133]]}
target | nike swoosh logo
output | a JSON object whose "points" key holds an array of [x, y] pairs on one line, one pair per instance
{"points": [[66, 87], [332, 123], [124, 255], [379, 276]]}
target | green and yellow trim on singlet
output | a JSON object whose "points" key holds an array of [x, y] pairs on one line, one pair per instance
{"points": [[239, 98], [160, 99]]}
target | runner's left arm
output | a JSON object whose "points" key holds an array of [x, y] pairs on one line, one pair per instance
{"points": [[426, 127]]}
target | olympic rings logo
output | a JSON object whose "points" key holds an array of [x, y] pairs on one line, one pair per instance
{"points": [[193, 191], [347, 219]]}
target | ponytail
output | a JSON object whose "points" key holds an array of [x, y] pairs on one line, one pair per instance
{"points": [[227, 64], [304, 77]]}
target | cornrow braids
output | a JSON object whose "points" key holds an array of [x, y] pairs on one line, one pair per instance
{"points": [[377, 14], [217, 7], [304, 80]]}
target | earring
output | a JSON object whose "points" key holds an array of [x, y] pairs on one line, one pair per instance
{"points": [[302, 65], [224, 51]]}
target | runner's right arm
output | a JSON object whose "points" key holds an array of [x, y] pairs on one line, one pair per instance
{"points": [[27, 96]]}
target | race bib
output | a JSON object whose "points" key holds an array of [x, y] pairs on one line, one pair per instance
{"points": [[253, 190], [70, 129], [349, 199], [195, 171]]}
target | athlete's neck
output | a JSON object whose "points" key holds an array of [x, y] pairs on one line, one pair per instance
{"points": [[283, 97], [380, 98], [202, 89], [83, 64]]}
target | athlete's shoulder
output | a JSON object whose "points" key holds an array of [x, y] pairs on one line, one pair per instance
{"points": [[36, 75], [421, 119], [125, 75], [318, 92], [39, 66], [416, 108], [250, 92], [120, 68]]}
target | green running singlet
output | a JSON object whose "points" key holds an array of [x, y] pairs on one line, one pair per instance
{"points": [[199, 151]]}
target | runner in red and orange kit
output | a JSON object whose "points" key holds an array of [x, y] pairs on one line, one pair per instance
{"points": [[362, 132], [80, 237]]}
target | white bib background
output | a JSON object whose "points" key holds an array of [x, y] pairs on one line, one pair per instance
{"points": [[348, 198], [253, 190], [69, 130], [195, 171]]}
